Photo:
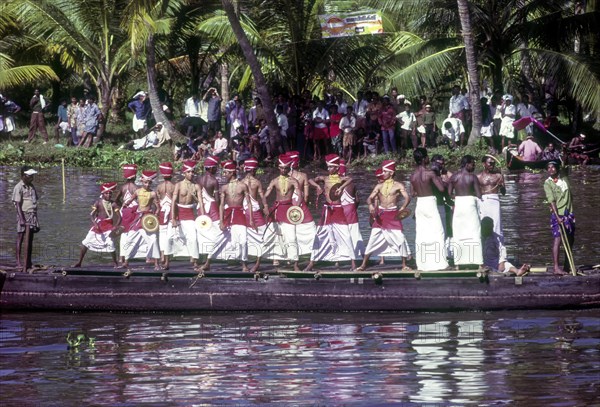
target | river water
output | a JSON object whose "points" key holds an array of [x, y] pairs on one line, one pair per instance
{"points": [[496, 358]]}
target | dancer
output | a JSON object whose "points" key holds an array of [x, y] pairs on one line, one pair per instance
{"points": [[332, 241], [105, 218], [280, 239], [141, 243], [387, 238], [232, 244], [256, 198], [207, 236], [349, 200], [128, 213], [306, 230], [185, 197], [164, 192]]}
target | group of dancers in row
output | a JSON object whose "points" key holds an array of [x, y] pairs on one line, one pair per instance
{"points": [[198, 217]]}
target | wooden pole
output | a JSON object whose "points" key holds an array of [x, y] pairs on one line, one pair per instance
{"points": [[568, 252], [64, 182], [25, 256]]}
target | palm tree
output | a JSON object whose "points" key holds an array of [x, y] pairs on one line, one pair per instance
{"points": [[86, 35], [467, 33], [12, 72]]}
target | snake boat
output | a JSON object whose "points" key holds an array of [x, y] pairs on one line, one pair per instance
{"points": [[226, 288]]}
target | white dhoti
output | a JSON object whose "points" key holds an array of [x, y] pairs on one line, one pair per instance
{"points": [[506, 127], [489, 206], [349, 205], [466, 229], [255, 236], [100, 242], [141, 244], [279, 242], [305, 231], [138, 124], [332, 241], [430, 247], [232, 243], [386, 237], [165, 239], [184, 238], [208, 238]]}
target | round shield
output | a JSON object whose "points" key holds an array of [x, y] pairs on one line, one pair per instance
{"points": [[203, 222], [333, 192], [404, 213], [295, 215], [150, 223]]}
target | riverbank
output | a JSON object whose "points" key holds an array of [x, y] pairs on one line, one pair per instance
{"points": [[14, 152]]}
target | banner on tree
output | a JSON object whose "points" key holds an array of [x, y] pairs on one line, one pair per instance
{"points": [[350, 24]]}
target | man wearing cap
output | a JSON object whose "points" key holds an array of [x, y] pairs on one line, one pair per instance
{"points": [[349, 201], [306, 230], [105, 218], [164, 194], [128, 213], [25, 199], [529, 149], [408, 126], [209, 186], [466, 226], [560, 200], [140, 242], [186, 195], [430, 247], [509, 112], [386, 237], [280, 239], [140, 107], [255, 199], [233, 242], [332, 241]]}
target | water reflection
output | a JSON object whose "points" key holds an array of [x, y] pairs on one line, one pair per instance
{"points": [[331, 359], [525, 215]]}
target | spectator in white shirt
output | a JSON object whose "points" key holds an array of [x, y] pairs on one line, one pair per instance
{"points": [[193, 121], [458, 104], [452, 128], [408, 126]]}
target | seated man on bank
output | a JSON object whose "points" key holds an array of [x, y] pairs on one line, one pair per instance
{"points": [[156, 137], [494, 252]]}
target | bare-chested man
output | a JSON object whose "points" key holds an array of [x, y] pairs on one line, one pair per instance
{"points": [[256, 198], [164, 192], [349, 200], [387, 238], [128, 213], [105, 217], [280, 239], [491, 183], [141, 243], [430, 248], [306, 230], [466, 227], [233, 243], [186, 195], [332, 241], [210, 198]]}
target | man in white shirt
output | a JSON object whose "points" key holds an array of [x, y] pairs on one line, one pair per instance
{"points": [[453, 129], [283, 124], [220, 145], [458, 104], [196, 114], [408, 126], [526, 109], [348, 126], [360, 109]]}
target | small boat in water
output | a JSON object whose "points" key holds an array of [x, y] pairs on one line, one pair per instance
{"points": [[225, 288], [516, 162]]}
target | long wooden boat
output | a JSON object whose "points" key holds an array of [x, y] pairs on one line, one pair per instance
{"points": [[378, 289], [515, 162]]}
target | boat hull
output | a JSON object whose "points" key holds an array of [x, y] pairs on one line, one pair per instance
{"points": [[514, 162], [296, 292]]}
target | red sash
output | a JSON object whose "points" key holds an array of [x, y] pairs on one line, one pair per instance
{"points": [[386, 219], [186, 213], [351, 213], [281, 208], [103, 225], [234, 215], [333, 214]]}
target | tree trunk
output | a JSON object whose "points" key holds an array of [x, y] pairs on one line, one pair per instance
{"points": [[474, 92], [224, 86], [259, 79], [104, 98], [157, 111]]}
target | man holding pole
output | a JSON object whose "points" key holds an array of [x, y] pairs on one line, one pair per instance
{"points": [[562, 219]]}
